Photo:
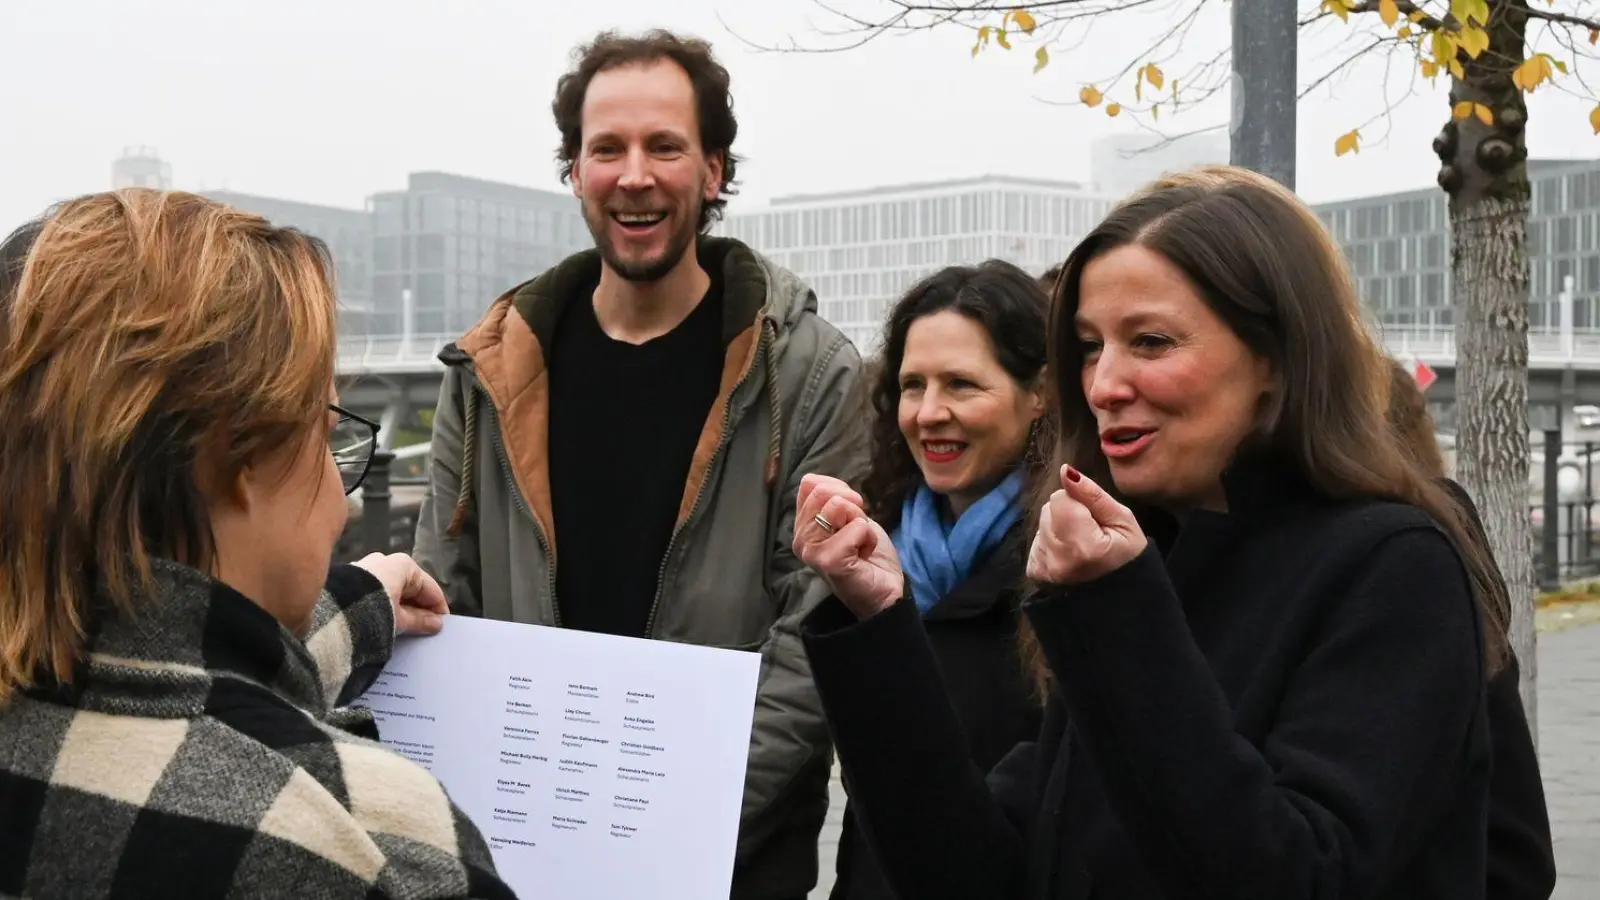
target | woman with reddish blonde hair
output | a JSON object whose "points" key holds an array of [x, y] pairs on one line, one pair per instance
{"points": [[175, 647]]}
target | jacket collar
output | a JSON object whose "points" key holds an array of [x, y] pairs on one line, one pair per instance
{"points": [[1256, 486], [541, 301], [160, 659], [997, 578]]}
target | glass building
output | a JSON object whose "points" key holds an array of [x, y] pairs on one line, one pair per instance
{"points": [[348, 234], [860, 250], [445, 247], [1398, 246]]}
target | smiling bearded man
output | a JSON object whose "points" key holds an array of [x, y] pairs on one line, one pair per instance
{"points": [[645, 410]]}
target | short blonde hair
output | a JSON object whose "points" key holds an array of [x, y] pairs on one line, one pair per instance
{"points": [[156, 342]]}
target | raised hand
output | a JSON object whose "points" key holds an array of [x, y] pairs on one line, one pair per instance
{"points": [[1084, 533], [853, 554]]}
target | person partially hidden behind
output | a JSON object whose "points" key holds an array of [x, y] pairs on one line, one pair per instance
{"points": [[959, 435], [1522, 863], [1264, 629], [178, 651]]}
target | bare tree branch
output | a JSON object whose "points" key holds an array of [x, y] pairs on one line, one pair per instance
{"points": [[1562, 18]]}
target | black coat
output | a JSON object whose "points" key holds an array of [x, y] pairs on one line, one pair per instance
{"points": [[1290, 705], [973, 635], [1522, 862]]}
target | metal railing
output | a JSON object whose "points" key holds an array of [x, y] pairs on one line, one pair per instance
{"points": [[419, 353], [1546, 349], [392, 354]]}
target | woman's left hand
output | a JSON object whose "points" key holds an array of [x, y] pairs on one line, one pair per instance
{"points": [[1084, 533], [418, 601]]}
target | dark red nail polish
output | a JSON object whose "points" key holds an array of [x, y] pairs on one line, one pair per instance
{"points": [[1073, 474]]}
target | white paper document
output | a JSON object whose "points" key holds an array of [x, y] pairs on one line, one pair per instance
{"points": [[597, 767]]}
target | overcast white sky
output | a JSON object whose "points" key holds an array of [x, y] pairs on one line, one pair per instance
{"points": [[329, 101]]}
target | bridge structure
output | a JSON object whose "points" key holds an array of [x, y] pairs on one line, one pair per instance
{"points": [[394, 376]]}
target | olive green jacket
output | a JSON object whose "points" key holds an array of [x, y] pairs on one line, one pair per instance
{"points": [[729, 577]]}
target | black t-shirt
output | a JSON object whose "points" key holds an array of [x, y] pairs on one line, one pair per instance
{"points": [[624, 422]]}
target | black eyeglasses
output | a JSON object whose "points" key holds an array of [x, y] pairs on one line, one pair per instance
{"points": [[353, 440]]}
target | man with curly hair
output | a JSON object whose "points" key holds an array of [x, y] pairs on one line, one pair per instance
{"points": [[619, 442]]}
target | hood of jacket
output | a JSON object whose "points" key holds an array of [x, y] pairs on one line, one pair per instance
{"points": [[508, 350]]}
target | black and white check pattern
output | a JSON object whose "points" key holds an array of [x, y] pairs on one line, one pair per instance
{"points": [[203, 752]]}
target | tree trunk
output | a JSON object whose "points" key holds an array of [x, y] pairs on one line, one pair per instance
{"points": [[1486, 176]]}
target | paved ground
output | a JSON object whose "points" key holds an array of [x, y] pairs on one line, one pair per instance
{"points": [[1569, 747], [1569, 750]]}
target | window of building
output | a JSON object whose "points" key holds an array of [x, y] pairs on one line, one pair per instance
{"points": [[1566, 235], [1435, 290], [1389, 256]]}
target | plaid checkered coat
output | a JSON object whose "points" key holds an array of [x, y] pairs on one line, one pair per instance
{"points": [[202, 753]]}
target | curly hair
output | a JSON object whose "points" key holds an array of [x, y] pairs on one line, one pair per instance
{"points": [[712, 93], [1012, 309]]}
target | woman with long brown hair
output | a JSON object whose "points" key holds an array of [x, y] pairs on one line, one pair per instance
{"points": [[1264, 629]]}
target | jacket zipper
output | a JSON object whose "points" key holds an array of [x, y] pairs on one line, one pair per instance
{"points": [[516, 497], [700, 492]]}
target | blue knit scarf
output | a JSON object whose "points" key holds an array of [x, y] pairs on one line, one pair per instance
{"points": [[938, 555]]}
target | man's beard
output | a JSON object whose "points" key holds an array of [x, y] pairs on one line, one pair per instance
{"points": [[646, 270]]}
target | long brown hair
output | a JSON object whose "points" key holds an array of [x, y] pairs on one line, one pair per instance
{"points": [[1262, 262], [155, 342]]}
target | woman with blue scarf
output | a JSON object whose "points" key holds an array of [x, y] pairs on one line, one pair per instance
{"points": [[958, 416]]}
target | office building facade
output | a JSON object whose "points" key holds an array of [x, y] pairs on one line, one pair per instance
{"points": [[348, 234], [447, 245], [1398, 247], [861, 250]]}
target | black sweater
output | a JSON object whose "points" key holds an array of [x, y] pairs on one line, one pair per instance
{"points": [[973, 635], [1289, 706]]}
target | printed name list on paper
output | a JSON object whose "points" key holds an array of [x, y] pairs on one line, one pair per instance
{"points": [[596, 766]]}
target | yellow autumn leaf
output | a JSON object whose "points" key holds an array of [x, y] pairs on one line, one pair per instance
{"points": [[1041, 58], [1594, 119], [1000, 38], [1416, 16], [1461, 110], [1138, 85], [1465, 11], [1457, 70], [1474, 41], [1155, 111], [1113, 108], [1444, 47], [1594, 35], [1338, 8], [1389, 12], [1152, 74], [1533, 70], [1024, 20], [1349, 142], [1430, 69], [1404, 33], [1560, 66], [1090, 95], [1484, 114]]}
